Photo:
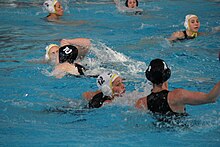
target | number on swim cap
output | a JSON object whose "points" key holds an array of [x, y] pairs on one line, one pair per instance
{"points": [[67, 50], [101, 80]]}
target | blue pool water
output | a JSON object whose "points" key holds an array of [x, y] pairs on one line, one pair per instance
{"points": [[39, 110]]}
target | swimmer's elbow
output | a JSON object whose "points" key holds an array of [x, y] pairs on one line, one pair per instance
{"points": [[140, 105]]}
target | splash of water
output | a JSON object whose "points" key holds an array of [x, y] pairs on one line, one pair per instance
{"points": [[102, 58]]}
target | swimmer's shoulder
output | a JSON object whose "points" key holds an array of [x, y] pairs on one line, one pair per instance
{"points": [[90, 94]]}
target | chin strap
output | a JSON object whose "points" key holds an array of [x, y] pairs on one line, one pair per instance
{"points": [[194, 34]]}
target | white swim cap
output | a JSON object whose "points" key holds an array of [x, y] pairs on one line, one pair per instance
{"points": [[49, 5], [187, 18], [47, 51], [104, 83]]}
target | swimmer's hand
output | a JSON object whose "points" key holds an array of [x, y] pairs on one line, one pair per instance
{"points": [[176, 35]]}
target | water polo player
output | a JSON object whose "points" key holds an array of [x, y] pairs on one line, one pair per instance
{"points": [[130, 6], [163, 101], [192, 25], [110, 86], [67, 65], [54, 9], [52, 50]]}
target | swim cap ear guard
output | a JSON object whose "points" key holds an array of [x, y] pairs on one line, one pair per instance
{"points": [[104, 82], [68, 53], [126, 3], [158, 72], [49, 5]]}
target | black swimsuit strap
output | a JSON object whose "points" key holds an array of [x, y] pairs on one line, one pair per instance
{"points": [[98, 100], [80, 68], [185, 34]]}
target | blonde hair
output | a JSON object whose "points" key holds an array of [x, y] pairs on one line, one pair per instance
{"points": [[187, 18], [47, 57]]}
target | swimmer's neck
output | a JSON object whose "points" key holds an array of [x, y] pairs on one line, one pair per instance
{"points": [[53, 16], [190, 33], [160, 87]]}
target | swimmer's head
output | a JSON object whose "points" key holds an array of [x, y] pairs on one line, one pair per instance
{"points": [[48, 51], [158, 71], [187, 18], [104, 83], [49, 5], [131, 3], [68, 53]]}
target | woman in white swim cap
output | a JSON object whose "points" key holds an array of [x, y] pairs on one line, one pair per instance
{"points": [[54, 8], [110, 86], [192, 25]]}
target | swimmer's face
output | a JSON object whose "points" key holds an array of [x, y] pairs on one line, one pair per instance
{"points": [[194, 24], [54, 54], [59, 9], [132, 4], [118, 86]]}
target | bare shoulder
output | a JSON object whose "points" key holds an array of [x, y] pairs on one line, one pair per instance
{"points": [[62, 66], [90, 94], [176, 95]]}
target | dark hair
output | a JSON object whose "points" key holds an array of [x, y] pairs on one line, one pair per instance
{"points": [[158, 71], [68, 53], [126, 3]]}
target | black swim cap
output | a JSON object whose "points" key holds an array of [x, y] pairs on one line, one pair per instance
{"points": [[68, 53], [126, 3], [158, 71]]}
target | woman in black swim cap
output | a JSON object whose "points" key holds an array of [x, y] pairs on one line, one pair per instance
{"points": [[68, 53], [131, 3], [67, 65], [163, 101], [130, 6], [52, 50]]}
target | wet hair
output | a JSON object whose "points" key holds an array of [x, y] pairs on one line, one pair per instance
{"points": [[126, 3], [158, 71], [68, 53]]}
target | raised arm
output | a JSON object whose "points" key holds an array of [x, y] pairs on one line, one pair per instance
{"points": [[84, 42], [197, 98]]}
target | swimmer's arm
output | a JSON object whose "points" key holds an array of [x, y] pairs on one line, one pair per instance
{"points": [[59, 71], [197, 98], [85, 42], [176, 35], [58, 74], [68, 23], [215, 29], [89, 94], [141, 103], [38, 61]]}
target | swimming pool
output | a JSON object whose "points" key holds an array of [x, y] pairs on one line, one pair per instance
{"points": [[39, 110]]}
